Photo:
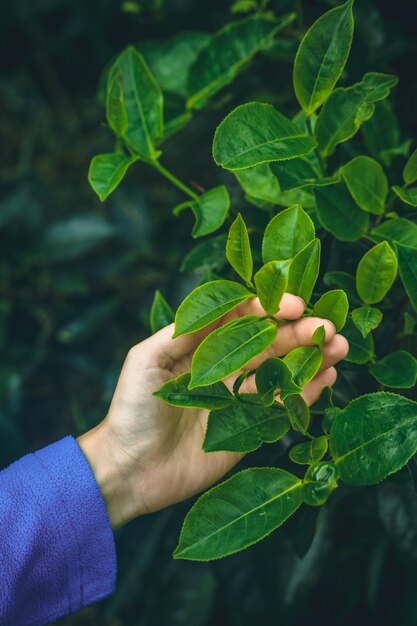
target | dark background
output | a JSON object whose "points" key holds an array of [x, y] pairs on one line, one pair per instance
{"points": [[77, 278]]}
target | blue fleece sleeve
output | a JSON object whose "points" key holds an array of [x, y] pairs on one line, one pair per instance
{"points": [[57, 552]]}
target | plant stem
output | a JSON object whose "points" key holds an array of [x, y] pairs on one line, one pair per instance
{"points": [[174, 180]]}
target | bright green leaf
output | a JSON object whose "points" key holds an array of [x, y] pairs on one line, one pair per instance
{"points": [[287, 234], [410, 170], [115, 107], [304, 270], [176, 393], [339, 214], [376, 273], [210, 210], [333, 306], [238, 251], [322, 55], [259, 182], [161, 314], [309, 452], [271, 375], [304, 362], [373, 437], [361, 350], [237, 513], [366, 318], [245, 427], [207, 303], [255, 133], [319, 336], [107, 171], [271, 284], [397, 230], [408, 196], [228, 348], [398, 369], [367, 183]]}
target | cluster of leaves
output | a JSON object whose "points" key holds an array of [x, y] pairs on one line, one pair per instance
{"points": [[303, 167]]}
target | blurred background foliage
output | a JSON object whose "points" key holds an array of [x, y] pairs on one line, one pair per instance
{"points": [[77, 278]]}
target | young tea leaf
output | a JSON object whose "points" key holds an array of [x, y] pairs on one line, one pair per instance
{"points": [[207, 303], [210, 210], [398, 369], [309, 452], [319, 482], [245, 427], [373, 437], [176, 393], [298, 413], [319, 336], [333, 306], [271, 375], [304, 271], [238, 251], [287, 234], [322, 55], [271, 284], [223, 522], [376, 273], [367, 183], [115, 106], [339, 214], [161, 314], [304, 362], [366, 318], [107, 171], [228, 348], [361, 350], [257, 133]]}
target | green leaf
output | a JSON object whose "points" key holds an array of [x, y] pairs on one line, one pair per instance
{"points": [[255, 133], [237, 513], [361, 350], [408, 196], [397, 230], [287, 234], [309, 452], [367, 183], [226, 52], [210, 210], [304, 362], [207, 303], [244, 6], [333, 306], [107, 171], [115, 106], [410, 169], [373, 437], [298, 413], [271, 284], [304, 270], [271, 375], [143, 102], [206, 256], [322, 55], [297, 173], [398, 369], [329, 415], [319, 336], [339, 214], [347, 109], [176, 393], [345, 281], [319, 482], [366, 318], [407, 262], [161, 314], [245, 427], [238, 251], [228, 348], [259, 182], [376, 273], [382, 132]]}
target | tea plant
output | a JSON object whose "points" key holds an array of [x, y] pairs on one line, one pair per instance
{"points": [[309, 189]]}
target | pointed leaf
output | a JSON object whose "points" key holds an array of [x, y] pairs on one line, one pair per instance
{"points": [[210, 210], [207, 303], [339, 214], [115, 106], [237, 513], [319, 482], [161, 314], [408, 196], [304, 362], [361, 350], [238, 251], [257, 133], [298, 413], [366, 318], [319, 336], [259, 182], [322, 55], [367, 183], [333, 306], [376, 273], [397, 230], [228, 348], [398, 369], [309, 452], [304, 271], [107, 171], [245, 427], [373, 437], [407, 261], [287, 234], [176, 393], [271, 284], [271, 375]]}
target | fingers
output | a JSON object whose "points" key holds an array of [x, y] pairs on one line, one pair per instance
{"points": [[312, 391], [334, 351], [291, 307]]}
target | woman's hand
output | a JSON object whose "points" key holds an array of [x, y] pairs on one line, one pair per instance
{"points": [[147, 455]]}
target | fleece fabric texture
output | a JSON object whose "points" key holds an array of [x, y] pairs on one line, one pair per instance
{"points": [[57, 552]]}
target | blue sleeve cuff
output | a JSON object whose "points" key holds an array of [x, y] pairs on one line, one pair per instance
{"points": [[60, 538]]}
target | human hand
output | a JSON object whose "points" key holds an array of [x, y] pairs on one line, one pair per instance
{"points": [[147, 455]]}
